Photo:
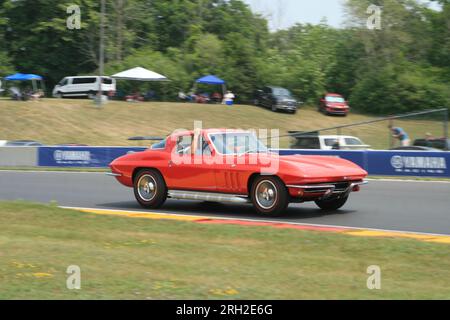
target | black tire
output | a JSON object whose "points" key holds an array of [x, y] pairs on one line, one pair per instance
{"points": [[152, 199], [275, 206], [256, 102], [331, 204], [59, 95], [273, 107]]}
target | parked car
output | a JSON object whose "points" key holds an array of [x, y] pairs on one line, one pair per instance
{"points": [[23, 143], [72, 144], [276, 98], [436, 143], [333, 103], [226, 166], [83, 86], [414, 148], [329, 142]]}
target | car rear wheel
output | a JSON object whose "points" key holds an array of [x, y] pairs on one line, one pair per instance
{"points": [[331, 204], [150, 189], [269, 196]]}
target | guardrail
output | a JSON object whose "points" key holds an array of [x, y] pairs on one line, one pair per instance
{"points": [[385, 163]]}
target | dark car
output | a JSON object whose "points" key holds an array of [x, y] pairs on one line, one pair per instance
{"points": [[276, 98], [333, 103], [436, 143], [23, 143]]}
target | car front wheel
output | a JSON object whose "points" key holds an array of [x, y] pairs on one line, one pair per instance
{"points": [[269, 196], [331, 204], [150, 189]]}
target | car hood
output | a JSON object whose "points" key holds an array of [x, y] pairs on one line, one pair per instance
{"points": [[285, 99], [317, 167]]}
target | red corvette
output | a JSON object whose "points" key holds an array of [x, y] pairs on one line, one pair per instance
{"points": [[219, 165]]}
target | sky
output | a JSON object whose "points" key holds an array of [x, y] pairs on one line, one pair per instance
{"points": [[284, 13]]}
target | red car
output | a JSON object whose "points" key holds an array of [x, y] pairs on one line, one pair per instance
{"points": [[219, 165], [333, 103]]}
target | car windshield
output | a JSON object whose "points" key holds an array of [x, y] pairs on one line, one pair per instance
{"points": [[281, 92], [353, 142], [334, 99], [237, 143]]}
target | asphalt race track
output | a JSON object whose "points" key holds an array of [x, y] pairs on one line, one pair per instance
{"points": [[389, 205]]}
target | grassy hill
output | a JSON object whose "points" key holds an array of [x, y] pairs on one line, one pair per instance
{"points": [[57, 121]]}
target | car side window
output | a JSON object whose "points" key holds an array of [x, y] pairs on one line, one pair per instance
{"points": [[352, 142], [184, 144], [203, 147], [331, 142], [308, 143]]}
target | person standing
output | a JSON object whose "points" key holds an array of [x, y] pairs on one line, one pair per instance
{"points": [[228, 98], [401, 135]]}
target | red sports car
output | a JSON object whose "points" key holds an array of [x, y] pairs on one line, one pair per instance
{"points": [[333, 103], [219, 165]]}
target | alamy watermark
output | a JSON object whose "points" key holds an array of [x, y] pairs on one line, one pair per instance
{"points": [[73, 281], [374, 20], [374, 280], [73, 21], [225, 147]]}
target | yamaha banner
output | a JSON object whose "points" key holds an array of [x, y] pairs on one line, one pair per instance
{"points": [[91, 157], [390, 163], [383, 163], [427, 164]]}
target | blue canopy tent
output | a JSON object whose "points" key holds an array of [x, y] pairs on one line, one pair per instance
{"points": [[213, 80], [27, 77]]}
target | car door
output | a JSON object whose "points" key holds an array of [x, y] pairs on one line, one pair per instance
{"points": [[65, 85], [231, 171], [264, 96], [188, 169]]}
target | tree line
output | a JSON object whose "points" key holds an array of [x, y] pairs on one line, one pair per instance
{"points": [[402, 66]]}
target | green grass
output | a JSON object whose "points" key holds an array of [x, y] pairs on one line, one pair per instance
{"points": [[57, 121], [131, 258]]}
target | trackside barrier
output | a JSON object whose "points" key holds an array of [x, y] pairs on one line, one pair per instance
{"points": [[384, 163], [18, 156], [90, 157], [390, 163]]}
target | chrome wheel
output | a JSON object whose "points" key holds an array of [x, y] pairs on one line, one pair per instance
{"points": [[266, 194], [147, 187]]}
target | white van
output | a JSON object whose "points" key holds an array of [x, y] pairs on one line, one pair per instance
{"points": [[83, 86], [336, 142]]}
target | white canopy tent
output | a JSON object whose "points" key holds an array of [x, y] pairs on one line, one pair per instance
{"points": [[139, 74]]}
